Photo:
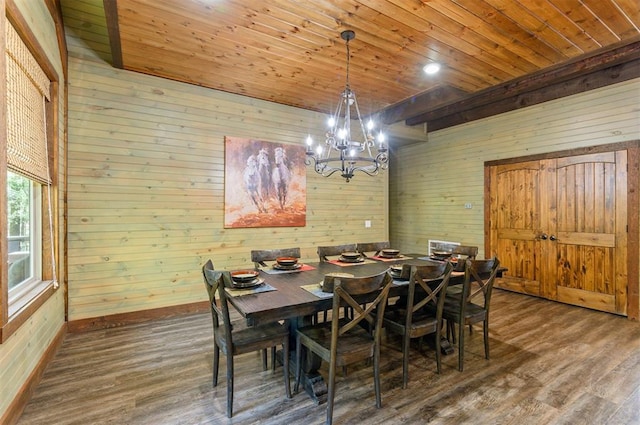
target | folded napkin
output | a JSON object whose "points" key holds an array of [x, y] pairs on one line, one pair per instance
{"points": [[316, 289]]}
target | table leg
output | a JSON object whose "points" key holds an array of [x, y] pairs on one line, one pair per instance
{"points": [[311, 380]]}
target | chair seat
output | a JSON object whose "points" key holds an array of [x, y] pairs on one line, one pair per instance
{"points": [[473, 313], [423, 322], [247, 339], [354, 346]]}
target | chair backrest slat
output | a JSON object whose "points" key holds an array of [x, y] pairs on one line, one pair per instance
{"points": [[372, 291], [483, 274], [422, 277]]}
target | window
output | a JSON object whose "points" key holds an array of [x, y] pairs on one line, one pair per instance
{"points": [[28, 202], [25, 235]]}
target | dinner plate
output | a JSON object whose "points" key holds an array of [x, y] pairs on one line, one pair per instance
{"points": [[278, 266], [248, 285], [242, 276], [351, 259], [352, 255], [390, 253]]}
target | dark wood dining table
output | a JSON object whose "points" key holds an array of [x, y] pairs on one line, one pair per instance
{"points": [[290, 302]]}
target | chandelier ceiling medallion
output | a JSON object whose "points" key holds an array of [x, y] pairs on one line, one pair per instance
{"points": [[344, 151]]}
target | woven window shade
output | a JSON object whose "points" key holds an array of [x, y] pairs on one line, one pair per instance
{"points": [[27, 92]]}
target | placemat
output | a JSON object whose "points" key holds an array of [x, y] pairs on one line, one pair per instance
{"points": [[316, 289], [343, 264], [304, 268], [232, 292]]}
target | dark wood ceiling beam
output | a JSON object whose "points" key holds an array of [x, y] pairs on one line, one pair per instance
{"points": [[601, 78], [435, 98], [534, 86], [111, 15]]}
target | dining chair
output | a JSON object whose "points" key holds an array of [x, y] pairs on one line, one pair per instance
{"points": [[236, 338], [259, 256], [369, 247], [427, 288], [324, 252], [470, 252], [349, 339], [472, 304]]}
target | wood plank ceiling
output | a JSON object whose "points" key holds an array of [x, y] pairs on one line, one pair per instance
{"points": [[496, 55]]}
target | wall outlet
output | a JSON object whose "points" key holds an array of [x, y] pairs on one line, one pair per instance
{"points": [[367, 223], [468, 205]]}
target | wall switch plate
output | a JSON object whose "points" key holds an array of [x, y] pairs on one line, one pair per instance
{"points": [[367, 223]]}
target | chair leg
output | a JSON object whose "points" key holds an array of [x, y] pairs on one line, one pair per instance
{"points": [[438, 354], [229, 385], [460, 346], [263, 352], [216, 364], [285, 365], [331, 392], [273, 358], [485, 329], [298, 365], [451, 331], [376, 375], [406, 341]]}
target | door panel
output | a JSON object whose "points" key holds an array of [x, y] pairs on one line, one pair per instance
{"points": [[515, 206], [587, 230], [559, 226]]}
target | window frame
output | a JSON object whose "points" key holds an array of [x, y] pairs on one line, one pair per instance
{"points": [[14, 315]]}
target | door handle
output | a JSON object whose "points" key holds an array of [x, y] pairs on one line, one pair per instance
{"points": [[552, 238], [543, 236]]}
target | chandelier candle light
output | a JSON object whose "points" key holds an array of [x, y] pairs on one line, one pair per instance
{"points": [[342, 151]]}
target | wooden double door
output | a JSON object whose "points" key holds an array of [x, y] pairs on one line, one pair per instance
{"points": [[560, 226]]}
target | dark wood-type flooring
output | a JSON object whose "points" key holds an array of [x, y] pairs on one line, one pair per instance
{"points": [[550, 364]]}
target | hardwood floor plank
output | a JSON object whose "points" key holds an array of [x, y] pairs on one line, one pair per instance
{"points": [[550, 364]]}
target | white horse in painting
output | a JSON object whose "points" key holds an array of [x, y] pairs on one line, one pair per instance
{"points": [[281, 175], [264, 169], [252, 183]]}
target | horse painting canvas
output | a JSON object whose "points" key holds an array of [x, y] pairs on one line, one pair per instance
{"points": [[265, 184]]}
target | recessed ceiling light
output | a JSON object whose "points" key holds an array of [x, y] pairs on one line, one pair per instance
{"points": [[431, 68]]}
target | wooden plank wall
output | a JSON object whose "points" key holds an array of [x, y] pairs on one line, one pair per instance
{"points": [[146, 188], [21, 354], [428, 193]]}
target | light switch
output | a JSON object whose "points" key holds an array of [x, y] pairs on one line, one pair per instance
{"points": [[367, 223]]}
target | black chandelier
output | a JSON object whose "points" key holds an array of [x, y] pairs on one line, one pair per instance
{"points": [[342, 151]]}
